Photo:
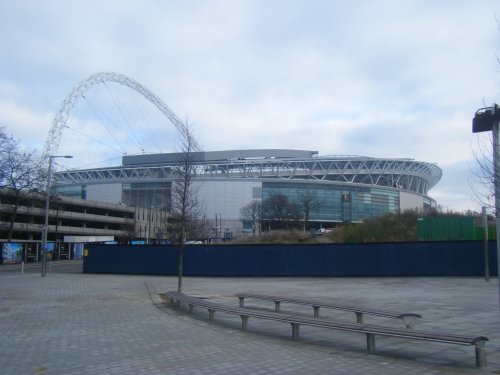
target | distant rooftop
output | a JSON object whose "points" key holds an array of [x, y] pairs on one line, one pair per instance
{"points": [[210, 156]]}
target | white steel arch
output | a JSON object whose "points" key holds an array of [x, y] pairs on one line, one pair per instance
{"points": [[59, 122]]}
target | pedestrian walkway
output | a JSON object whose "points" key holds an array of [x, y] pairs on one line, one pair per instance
{"points": [[74, 323]]}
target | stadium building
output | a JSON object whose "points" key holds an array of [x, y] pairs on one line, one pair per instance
{"points": [[348, 188]]}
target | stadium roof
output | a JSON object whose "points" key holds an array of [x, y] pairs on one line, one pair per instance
{"points": [[297, 165]]}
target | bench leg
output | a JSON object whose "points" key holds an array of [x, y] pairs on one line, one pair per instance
{"points": [[316, 311], [359, 317], [190, 307], [370, 342], [211, 314], [244, 322], [480, 355], [277, 305], [295, 331], [242, 301]]}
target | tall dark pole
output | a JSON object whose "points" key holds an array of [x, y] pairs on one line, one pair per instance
{"points": [[496, 166], [486, 246], [46, 224], [488, 119]]}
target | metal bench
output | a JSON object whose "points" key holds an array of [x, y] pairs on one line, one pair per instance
{"points": [[368, 329], [408, 318]]}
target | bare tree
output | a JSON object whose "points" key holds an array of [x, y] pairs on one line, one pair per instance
{"points": [[279, 209], [308, 201], [7, 144], [483, 175], [129, 233], [185, 205], [275, 207], [252, 213], [21, 171]]}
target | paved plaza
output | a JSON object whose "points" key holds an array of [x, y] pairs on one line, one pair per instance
{"points": [[74, 323]]}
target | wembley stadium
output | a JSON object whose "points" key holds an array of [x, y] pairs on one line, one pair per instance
{"points": [[349, 188]]}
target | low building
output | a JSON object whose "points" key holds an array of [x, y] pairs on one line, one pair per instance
{"points": [[73, 220]]}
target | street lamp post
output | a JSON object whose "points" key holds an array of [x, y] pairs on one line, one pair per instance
{"points": [[46, 224], [488, 119], [496, 171]]}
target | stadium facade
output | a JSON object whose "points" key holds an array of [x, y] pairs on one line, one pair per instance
{"points": [[348, 188]]}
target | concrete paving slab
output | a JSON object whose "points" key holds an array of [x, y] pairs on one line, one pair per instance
{"points": [[73, 323]]}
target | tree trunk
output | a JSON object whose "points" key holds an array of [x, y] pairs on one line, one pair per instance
{"points": [[181, 260]]}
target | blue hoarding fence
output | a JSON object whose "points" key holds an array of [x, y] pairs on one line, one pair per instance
{"points": [[454, 258]]}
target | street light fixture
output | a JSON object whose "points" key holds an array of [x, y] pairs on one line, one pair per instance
{"points": [[488, 119], [46, 224]]}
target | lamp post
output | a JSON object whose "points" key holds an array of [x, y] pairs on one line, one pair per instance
{"points": [[46, 224], [488, 119]]}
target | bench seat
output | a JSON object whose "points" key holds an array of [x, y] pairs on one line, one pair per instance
{"points": [[408, 318], [370, 330]]}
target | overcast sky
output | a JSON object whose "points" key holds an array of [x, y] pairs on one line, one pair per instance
{"points": [[386, 79]]}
